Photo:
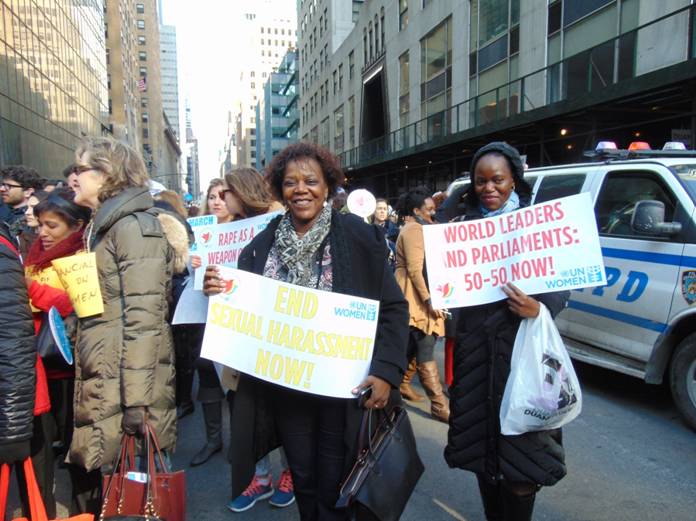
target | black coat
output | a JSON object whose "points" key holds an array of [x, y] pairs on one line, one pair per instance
{"points": [[485, 337], [17, 349], [358, 256]]}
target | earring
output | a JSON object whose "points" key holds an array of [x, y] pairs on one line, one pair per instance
{"points": [[326, 203]]}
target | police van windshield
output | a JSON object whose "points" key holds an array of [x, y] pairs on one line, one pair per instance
{"points": [[687, 175]]}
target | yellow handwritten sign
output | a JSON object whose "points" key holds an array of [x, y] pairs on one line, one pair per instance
{"points": [[47, 277], [81, 280], [305, 339]]}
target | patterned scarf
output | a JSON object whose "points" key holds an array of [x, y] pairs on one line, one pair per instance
{"points": [[512, 204], [299, 254]]}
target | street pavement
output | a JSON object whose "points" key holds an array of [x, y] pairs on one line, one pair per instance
{"points": [[629, 458]]}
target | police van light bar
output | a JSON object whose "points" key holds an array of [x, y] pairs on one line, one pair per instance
{"points": [[606, 145], [639, 145], [674, 145]]}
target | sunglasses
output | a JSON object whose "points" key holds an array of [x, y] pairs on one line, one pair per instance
{"points": [[223, 193], [77, 170]]}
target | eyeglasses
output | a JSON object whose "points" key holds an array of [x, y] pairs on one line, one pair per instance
{"points": [[8, 186], [77, 170]]}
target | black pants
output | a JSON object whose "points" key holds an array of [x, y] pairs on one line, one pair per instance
{"points": [[86, 491], [209, 388], [185, 356], [61, 394], [42, 460], [501, 504], [311, 430], [421, 346]]}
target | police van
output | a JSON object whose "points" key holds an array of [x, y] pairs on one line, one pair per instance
{"points": [[643, 322]]}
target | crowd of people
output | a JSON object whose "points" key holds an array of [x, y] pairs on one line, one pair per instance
{"points": [[133, 369]]}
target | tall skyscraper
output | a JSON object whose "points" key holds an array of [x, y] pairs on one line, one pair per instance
{"points": [[53, 81], [193, 175], [170, 76], [268, 31]]}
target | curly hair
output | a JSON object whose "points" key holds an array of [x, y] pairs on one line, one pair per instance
{"points": [[330, 167], [24, 175], [250, 188], [122, 166]]}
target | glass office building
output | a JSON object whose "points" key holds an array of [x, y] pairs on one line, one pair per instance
{"points": [[53, 80]]}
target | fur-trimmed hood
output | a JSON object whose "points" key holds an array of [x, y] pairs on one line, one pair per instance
{"points": [[177, 237]]}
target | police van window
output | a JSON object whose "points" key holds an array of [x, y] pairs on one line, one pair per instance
{"points": [[557, 186], [619, 194], [687, 175]]}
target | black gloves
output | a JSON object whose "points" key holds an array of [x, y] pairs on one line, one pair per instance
{"points": [[15, 452], [134, 420]]}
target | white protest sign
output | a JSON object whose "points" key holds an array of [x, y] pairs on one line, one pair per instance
{"points": [[201, 230], [547, 247], [227, 241], [302, 338], [192, 307]]}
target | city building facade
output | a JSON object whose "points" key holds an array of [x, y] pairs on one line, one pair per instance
{"points": [[417, 85], [171, 156], [170, 76], [276, 113], [193, 174], [53, 81], [268, 32]]}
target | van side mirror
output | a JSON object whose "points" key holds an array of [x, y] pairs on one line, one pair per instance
{"points": [[649, 219]]}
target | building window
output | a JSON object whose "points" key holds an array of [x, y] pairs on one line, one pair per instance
{"points": [[145, 117], [143, 71], [140, 8], [143, 103], [436, 75], [351, 65], [377, 40], [372, 43], [335, 82], [142, 56], [351, 122], [381, 26], [365, 46], [141, 24], [338, 130], [141, 40], [340, 76], [404, 89], [146, 133], [403, 14]]}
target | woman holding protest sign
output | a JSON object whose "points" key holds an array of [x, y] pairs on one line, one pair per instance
{"points": [[247, 195], [510, 469], [425, 323], [317, 247], [124, 363], [61, 225]]}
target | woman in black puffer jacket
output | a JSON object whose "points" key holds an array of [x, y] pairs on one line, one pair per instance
{"points": [[510, 469], [17, 355]]}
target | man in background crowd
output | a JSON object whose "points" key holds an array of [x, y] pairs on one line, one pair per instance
{"points": [[18, 184]]}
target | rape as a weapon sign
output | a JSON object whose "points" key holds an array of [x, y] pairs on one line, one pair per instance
{"points": [[547, 247], [302, 338]]}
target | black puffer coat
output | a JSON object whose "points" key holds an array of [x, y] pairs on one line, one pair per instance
{"points": [[485, 337], [17, 349]]}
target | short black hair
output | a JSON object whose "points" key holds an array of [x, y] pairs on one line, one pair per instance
{"points": [[61, 202], [330, 167], [24, 175], [410, 201]]}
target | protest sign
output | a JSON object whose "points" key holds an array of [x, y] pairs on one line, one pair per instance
{"points": [[46, 276], [201, 230], [192, 307], [547, 247], [302, 338], [221, 244], [80, 278]]}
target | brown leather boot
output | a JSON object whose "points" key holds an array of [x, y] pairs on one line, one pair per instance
{"points": [[408, 392], [430, 379]]}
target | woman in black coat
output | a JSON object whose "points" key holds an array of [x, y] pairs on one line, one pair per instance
{"points": [[510, 469], [315, 246]]}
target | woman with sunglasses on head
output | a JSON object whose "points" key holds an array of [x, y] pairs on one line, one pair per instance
{"points": [[510, 469], [61, 225], [124, 363], [247, 195]]}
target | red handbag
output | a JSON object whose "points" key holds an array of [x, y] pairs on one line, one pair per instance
{"points": [[155, 495], [37, 510]]}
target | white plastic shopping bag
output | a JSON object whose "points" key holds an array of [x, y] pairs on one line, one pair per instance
{"points": [[542, 391]]}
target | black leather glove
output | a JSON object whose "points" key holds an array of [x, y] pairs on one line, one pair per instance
{"points": [[134, 420], [15, 452]]}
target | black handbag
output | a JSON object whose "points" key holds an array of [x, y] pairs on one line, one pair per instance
{"points": [[388, 466]]}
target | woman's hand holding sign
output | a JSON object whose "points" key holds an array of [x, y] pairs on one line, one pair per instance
{"points": [[520, 303], [212, 283]]}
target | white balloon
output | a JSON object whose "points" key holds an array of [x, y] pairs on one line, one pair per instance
{"points": [[362, 203]]}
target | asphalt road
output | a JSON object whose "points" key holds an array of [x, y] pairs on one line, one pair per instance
{"points": [[629, 457]]}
